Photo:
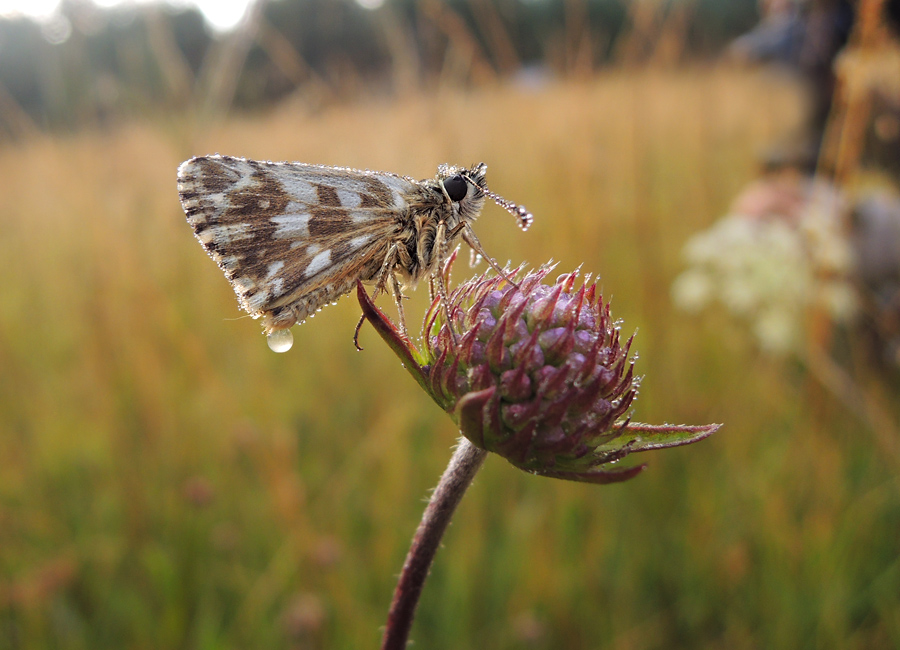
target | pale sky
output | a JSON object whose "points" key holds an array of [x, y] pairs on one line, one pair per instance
{"points": [[221, 14]]}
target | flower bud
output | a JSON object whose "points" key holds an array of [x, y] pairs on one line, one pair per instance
{"points": [[537, 373]]}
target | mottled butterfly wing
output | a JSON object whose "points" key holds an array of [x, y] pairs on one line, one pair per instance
{"points": [[291, 237]]}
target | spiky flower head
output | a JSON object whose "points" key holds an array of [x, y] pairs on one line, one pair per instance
{"points": [[535, 372]]}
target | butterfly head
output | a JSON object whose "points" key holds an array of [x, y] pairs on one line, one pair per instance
{"points": [[468, 187]]}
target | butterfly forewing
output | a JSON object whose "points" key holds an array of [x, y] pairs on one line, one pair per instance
{"points": [[291, 237]]}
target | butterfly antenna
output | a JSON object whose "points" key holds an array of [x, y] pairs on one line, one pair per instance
{"points": [[520, 212]]}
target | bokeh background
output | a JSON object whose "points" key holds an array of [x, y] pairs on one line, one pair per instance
{"points": [[166, 481]]}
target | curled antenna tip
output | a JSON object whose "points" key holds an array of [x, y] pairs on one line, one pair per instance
{"points": [[520, 212], [524, 216]]}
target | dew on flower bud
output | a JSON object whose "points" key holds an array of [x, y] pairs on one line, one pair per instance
{"points": [[515, 385], [576, 360], [536, 373], [584, 341], [492, 300], [476, 354], [486, 321], [280, 340]]}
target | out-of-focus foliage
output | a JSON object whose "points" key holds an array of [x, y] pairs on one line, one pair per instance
{"points": [[166, 481], [89, 64]]}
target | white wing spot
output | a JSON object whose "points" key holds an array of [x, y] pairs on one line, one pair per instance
{"points": [[277, 286], [223, 234], [274, 268], [399, 188], [243, 284], [399, 201], [356, 242], [264, 204], [319, 262], [301, 191], [312, 249], [255, 301], [362, 216], [291, 226], [349, 199]]}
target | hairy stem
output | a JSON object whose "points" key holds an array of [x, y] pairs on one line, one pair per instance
{"points": [[463, 466]]}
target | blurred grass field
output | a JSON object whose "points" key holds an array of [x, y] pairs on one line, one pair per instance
{"points": [[168, 482]]}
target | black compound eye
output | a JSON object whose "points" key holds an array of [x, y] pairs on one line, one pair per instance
{"points": [[456, 187]]}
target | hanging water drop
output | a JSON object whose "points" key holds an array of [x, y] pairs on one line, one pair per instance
{"points": [[280, 340]]}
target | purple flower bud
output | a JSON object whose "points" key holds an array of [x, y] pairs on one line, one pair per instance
{"points": [[536, 373], [554, 361]]}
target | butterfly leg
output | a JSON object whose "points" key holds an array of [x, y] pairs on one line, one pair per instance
{"points": [[468, 236], [431, 293], [441, 238], [398, 298], [381, 286]]}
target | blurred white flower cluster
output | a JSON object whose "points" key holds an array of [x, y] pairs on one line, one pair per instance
{"points": [[774, 263]]}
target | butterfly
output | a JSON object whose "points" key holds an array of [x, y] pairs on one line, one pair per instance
{"points": [[292, 237]]}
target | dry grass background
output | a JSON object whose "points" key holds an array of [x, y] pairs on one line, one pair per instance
{"points": [[166, 481]]}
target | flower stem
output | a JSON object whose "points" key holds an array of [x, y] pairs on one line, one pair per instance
{"points": [[463, 466]]}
